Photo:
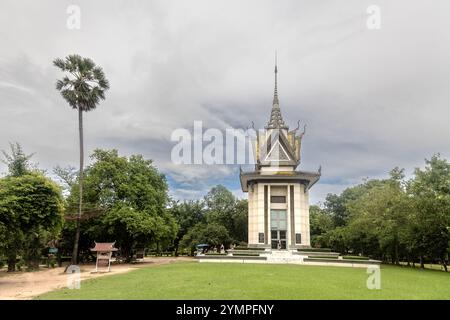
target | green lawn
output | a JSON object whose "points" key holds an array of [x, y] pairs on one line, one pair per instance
{"points": [[192, 280]]}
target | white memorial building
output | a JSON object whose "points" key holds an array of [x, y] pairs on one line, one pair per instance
{"points": [[278, 203], [278, 193]]}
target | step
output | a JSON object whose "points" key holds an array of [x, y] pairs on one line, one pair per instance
{"points": [[284, 256], [246, 251], [312, 254], [224, 258], [343, 261]]}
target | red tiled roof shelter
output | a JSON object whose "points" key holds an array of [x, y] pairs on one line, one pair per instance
{"points": [[104, 252], [104, 247]]}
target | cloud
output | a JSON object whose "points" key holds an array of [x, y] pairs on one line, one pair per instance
{"points": [[372, 100]]}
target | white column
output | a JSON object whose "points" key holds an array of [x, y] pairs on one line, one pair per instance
{"points": [[260, 212], [269, 234], [298, 190], [288, 217]]}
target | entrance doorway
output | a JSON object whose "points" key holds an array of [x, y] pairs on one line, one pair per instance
{"points": [[278, 227]]}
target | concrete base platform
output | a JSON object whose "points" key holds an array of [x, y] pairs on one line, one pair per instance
{"points": [[288, 257]]}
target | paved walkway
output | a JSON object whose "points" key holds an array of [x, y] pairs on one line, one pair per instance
{"points": [[27, 285]]}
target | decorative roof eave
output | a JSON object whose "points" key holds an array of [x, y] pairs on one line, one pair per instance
{"points": [[304, 177]]}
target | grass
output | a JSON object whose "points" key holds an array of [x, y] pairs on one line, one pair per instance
{"points": [[192, 280], [426, 265]]}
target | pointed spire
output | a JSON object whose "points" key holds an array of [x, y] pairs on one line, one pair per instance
{"points": [[275, 94], [276, 120]]}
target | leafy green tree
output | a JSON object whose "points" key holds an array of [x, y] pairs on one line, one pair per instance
{"points": [[337, 205], [187, 214], [17, 161], [222, 207], [219, 207], [394, 219], [320, 222], [31, 212], [430, 189], [378, 220], [220, 203], [68, 176], [337, 239], [212, 234], [371, 218], [83, 87], [19, 165], [131, 196], [129, 227], [239, 218]]}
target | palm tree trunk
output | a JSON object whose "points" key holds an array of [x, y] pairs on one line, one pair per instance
{"points": [[80, 205]]}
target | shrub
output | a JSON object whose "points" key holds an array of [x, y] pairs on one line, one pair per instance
{"points": [[323, 257], [315, 250]]}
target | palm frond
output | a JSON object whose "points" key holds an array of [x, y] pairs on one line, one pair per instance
{"points": [[88, 64], [87, 86], [58, 62], [104, 84], [70, 97]]}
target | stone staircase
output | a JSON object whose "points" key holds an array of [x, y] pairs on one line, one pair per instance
{"points": [[284, 256], [312, 254], [301, 256]]}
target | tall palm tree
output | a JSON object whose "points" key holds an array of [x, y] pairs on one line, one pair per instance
{"points": [[83, 87]]}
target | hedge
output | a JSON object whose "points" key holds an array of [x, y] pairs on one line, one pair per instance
{"points": [[247, 248], [315, 250], [355, 258]]}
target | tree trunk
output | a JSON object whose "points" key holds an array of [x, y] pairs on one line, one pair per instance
{"points": [[12, 263], [59, 258], [80, 179], [176, 250], [397, 259], [422, 265]]}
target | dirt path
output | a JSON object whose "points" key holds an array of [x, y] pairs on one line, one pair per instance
{"points": [[27, 285]]}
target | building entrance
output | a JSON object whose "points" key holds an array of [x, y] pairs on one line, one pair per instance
{"points": [[278, 228]]}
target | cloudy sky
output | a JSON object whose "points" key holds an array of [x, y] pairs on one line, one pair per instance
{"points": [[372, 99]]}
